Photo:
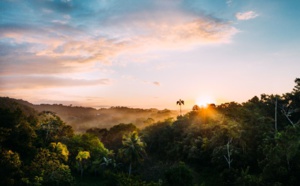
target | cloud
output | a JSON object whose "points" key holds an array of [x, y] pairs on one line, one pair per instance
{"points": [[99, 32], [57, 37], [171, 28], [30, 64], [156, 83], [42, 82], [229, 2], [246, 15]]}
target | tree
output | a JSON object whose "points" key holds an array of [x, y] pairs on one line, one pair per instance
{"points": [[297, 86], [17, 132], [101, 133], [180, 102], [61, 149], [178, 175], [113, 139], [86, 142], [149, 121], [47, 169], [196, 108], [52, 128], [133, 149], [158, 138], [10, 168], [81, 157]]}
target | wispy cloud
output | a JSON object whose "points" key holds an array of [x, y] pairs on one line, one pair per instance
{"points": [[42, 82], [246, 15]]}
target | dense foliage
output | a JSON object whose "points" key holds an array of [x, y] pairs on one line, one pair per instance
{"points": [[253, 143]]}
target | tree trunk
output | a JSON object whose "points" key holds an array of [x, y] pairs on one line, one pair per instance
{"points": [[180, 109], [228, 158], [129, 171], [81, 169]]}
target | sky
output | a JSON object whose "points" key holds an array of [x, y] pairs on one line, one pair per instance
{"points": [[147, 53]]}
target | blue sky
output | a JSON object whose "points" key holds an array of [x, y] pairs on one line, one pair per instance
{"points": [[147, 53]]}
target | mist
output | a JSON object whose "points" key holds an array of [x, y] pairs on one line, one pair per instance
{"points": [[83, 118]]}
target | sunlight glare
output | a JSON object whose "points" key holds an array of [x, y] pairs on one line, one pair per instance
{"points": [[203, 101]]}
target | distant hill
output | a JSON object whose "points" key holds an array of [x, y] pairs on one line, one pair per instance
{"points": [[14, 104], [83, 118]]}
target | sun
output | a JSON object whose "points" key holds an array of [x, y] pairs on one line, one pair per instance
{"points": [[203, 101]]}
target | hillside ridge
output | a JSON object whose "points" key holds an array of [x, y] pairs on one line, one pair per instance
{"points": [[83, 118]]}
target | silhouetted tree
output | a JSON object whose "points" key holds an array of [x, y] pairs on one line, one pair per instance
{"points": [[196, 107], [180, 102]]}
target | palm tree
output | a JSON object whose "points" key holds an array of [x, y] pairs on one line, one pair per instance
{"points": [[180, 102], [133, 149]]}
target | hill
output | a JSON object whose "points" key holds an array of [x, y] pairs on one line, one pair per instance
{"points": [[14, 104], [83, 118]]}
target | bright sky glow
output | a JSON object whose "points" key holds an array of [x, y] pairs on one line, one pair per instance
{"points": [[147, 53], [203, 101]]}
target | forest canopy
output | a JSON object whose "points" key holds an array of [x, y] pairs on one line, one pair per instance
{"points": [[252, 143]]}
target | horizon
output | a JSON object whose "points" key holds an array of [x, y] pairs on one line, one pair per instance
{"points": [[147, 54]]}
